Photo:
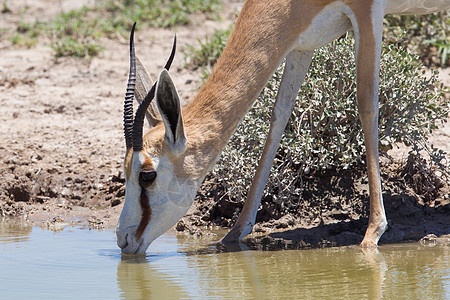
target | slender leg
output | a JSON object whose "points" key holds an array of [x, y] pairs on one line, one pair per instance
{"points": [[297, 65], [368, 36], [377, 267]]}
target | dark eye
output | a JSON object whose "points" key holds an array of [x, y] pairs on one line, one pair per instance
{"points": [[146, 177]]}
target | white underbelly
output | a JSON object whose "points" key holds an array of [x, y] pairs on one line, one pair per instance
{"points": [[416, 7], [327, 26], [333, 20]]}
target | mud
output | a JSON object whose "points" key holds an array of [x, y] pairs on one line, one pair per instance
{"points": [[333, 209], [62, 144], [62, 147]]}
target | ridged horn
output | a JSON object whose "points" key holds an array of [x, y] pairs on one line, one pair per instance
{"points": [[138, 125], [129, 95]]}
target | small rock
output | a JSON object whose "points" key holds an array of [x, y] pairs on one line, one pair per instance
{"points": [[181, 225], [429, 240], [259, 228], [266, 240], [115, 202]]}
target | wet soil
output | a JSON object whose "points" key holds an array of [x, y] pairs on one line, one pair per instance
{"points": [[333, 208], [62, 147], [62, 143]]}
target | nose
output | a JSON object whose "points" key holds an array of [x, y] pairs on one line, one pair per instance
{"points": [[121, 238], [126, 240]]}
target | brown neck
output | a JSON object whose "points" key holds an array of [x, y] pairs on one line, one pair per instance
{"points": [[261, 38], [238, 77]]}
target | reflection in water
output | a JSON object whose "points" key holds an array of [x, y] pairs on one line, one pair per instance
{"points": [[348, 272], [376, 263], [13, 231], [75, 264], [137, 279], [417, 272], [325, 273]]}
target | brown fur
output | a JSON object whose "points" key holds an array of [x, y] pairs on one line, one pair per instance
{"points": [[239, 76], [241, 73], [264, 34], [146, 215], [148, 164], [128, 162]]}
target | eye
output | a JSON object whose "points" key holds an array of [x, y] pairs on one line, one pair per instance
{"points": [[146, 177]]}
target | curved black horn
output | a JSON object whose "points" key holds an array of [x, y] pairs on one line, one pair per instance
{"points": [[140, 112], [138, 125], [172, 54], [129, 95]]}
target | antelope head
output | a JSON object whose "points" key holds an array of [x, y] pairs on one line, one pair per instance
{"points": [[156, 195]]}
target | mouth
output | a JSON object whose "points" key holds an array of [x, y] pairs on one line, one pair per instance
{"points": [[129, 245], [133, 248]]}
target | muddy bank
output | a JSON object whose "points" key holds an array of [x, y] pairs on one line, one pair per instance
{"points": [[333, 209], [61, 135], [62, 150]]}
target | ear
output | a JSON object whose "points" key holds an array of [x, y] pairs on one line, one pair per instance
{"points": [[169, 107], [143, 85]]}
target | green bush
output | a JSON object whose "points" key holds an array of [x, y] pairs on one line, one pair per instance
{"points": [[77, 32], [206, 54], [74, 34], [426, 35], [157, 13], [324, 130]]}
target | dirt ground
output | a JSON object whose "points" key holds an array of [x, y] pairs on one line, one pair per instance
{"points": [[62, 147]]}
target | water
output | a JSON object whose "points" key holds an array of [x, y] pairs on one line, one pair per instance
{"points": [[85, 264]]}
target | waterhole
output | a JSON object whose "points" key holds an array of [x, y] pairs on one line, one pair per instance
{"points": [[78, 263]]}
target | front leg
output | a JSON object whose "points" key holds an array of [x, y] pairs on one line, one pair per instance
{"points": [[368, 48], [297, 65]]}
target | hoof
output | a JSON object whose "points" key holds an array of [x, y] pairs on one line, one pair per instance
{"points": [[368, 244], [231, 237], [237, 233]]}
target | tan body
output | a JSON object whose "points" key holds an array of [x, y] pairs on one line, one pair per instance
{"points": [[265, 33]]}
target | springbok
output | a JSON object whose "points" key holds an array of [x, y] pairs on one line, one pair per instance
{"points": [[164, 168]]}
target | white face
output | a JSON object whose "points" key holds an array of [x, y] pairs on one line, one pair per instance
{"points": [[156, 197], [167, 196]]}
